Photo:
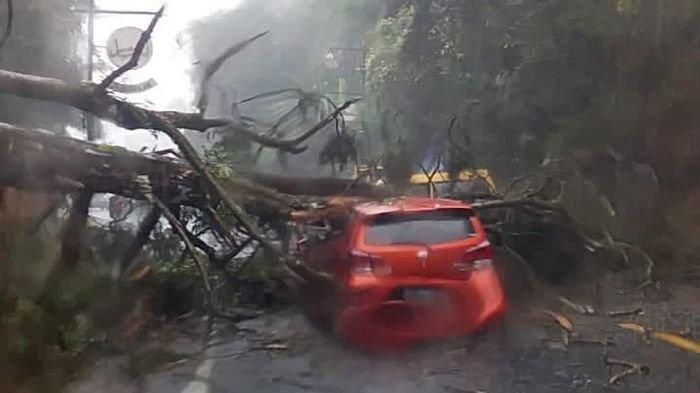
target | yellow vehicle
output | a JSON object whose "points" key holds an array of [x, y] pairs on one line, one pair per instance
{"points": [[440, 184]]}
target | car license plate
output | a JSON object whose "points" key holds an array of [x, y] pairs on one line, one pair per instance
{"points": [[422, 295]]}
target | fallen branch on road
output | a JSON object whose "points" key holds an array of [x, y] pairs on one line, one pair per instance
{"points": [[629, 368], [624, 313]]}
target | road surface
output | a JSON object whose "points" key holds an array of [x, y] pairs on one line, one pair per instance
{"points": [[282, 353]]}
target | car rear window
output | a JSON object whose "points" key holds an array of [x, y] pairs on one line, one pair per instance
{"points": [[437, 227]]}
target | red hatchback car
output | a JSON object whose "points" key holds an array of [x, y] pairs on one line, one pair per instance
{"points": [[404, 271]]}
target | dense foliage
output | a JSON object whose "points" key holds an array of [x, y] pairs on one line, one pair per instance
{"points": [[607, 86], [35, 338]]}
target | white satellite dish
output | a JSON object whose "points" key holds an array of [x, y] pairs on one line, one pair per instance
{"points": [[121, 45]]}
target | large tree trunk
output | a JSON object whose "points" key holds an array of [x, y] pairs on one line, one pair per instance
{"points": [[42, 161], [35, 160]]}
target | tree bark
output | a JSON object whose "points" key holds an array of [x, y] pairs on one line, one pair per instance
{"points": [[41, 161], [71, 247], [88, 97], [74, 231]]}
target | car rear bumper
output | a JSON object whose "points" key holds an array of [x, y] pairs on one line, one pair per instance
{"points": [[373, 318]]}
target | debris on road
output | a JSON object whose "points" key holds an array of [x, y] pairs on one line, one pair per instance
{"points": [[561, 320], [584, 309], [594, 341], [624, 313], [452, 389], [629, 368], [678, 341], [634, 327], [670, 338], [276, 347]]}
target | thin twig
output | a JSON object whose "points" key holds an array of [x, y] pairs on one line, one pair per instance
{"points": [[292, 145], [584, 309], [629, 369], [89, 98], [593, 341], [8, 26], [648, 271], [646, 283], [135, 55], [219, 226], [215, 189], [216, 65], [451, 139], [515, 181], [177, 225], [624, 313], [269, 94]]}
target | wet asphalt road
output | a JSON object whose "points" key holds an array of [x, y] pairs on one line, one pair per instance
{"points": [[283, 353]]}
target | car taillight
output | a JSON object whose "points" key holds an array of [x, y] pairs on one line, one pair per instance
{"points": [[476, 258], [364, 264]]}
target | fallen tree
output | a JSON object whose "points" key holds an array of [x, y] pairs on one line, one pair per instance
{"points": [[36, 160], [41, 161]]}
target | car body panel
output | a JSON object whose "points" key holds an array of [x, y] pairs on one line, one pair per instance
{"points": [[374, 321], [422, 297]]}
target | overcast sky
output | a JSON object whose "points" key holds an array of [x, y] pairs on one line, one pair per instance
{"points": [[170, 66]]}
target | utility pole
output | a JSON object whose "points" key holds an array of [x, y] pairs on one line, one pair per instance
{"points": [[91, 12], [89, 118], [337, 62]]}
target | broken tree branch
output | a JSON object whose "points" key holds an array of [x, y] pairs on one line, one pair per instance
{"points": [[218, 225], [34, 160], [214, 187], [462, 149], [135, 55], [180, 229], [630, 368], [71, 246], [73, 235], [648, 270], [87, 97], [215, 65], [142, 235], [624, 313], [293, 145]]}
